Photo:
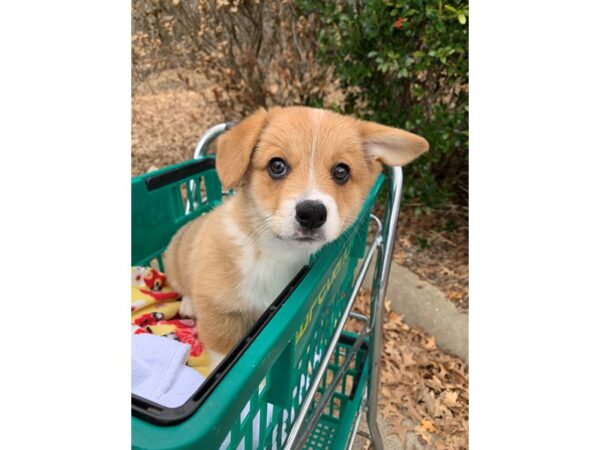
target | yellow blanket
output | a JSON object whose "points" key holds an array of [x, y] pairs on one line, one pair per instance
{"points": [[155, 309]]}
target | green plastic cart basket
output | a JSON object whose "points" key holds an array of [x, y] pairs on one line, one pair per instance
{"points": [[297, 380]]}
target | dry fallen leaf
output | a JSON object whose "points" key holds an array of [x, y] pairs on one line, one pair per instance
{"points": [[428, 426], [451, 399], [430, 343]]}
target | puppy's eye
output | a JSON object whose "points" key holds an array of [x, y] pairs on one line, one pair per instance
{"points": [[341, 173], [277, 168]]}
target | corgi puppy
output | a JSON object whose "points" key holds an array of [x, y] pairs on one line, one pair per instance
{"points": [[301, 176]]}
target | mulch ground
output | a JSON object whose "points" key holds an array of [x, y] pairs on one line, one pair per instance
{"points": [[419, 381], [167, 121]]}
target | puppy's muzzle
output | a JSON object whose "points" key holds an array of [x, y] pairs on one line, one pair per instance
{"points": [[311, 214]]}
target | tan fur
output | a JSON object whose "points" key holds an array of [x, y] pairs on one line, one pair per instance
{"points": [[200, 263], [206, 260], [231, 165]]}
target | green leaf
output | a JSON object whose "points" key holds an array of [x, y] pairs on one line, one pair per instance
{"points": [[462, 19]]}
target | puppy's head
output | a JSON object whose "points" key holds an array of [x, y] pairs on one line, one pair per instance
{"points": [[308, 171]]}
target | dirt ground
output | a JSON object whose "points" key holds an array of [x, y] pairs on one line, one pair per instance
{"points": [[420, 384]]}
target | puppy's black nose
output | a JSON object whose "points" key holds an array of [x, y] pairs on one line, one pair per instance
{"points": [[311, 214]]}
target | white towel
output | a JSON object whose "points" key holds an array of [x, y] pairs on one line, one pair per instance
{"points": [[159, 372]]}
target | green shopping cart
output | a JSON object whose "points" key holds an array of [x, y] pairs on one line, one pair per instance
{"points": [[297, 379]]}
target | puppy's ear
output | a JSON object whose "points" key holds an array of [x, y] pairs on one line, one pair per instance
{"points": [[234, 148], [390, 146]]}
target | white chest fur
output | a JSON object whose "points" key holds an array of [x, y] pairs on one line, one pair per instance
{"points": [[264, 278], [266, 266]]}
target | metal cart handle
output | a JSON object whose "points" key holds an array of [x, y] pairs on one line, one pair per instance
{"points": [[199, 151], [384, 243], [209, 136]]}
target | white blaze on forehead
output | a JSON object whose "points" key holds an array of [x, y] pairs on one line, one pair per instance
{"points": [[316, 115], [331, 227], [285, 220]]}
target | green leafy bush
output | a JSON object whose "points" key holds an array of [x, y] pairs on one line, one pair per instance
{"points": [[405, 63]]}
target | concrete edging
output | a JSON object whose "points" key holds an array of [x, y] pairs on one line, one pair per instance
{"points": [[425, 306]]}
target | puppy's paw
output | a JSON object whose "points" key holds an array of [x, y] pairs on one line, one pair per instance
{"points": [[214, 358], [186, 309]]}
